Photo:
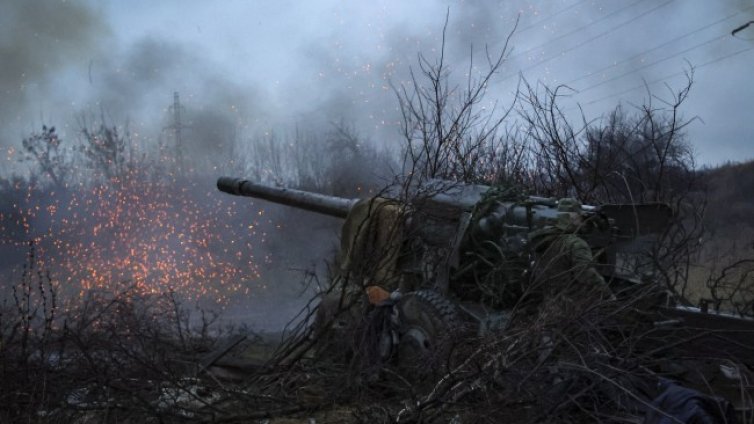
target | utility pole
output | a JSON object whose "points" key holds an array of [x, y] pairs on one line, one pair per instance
{"points": [[177, 127]]}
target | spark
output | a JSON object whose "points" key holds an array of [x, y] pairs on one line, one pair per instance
{"points": [[139, 229]]}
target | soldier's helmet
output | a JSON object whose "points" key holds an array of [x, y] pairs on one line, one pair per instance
{"points": [[569, 204], [569, 215]]}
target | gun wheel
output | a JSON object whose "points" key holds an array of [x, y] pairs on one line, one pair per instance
{"points": [[427, 320]]}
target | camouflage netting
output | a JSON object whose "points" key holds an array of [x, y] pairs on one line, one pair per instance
{"points": [[371, 240]]}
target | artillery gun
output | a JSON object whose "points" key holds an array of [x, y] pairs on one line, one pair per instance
{"points": [[464, 252], [427, 263]]}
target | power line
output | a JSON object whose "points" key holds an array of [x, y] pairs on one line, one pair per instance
{"points": [[667, 77], [576, 30], [539, 22], [649, 65], [667, 43], [589, 40], [549, 17]]}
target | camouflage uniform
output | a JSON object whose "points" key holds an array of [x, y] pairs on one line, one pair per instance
{"points": [[563, 273]]}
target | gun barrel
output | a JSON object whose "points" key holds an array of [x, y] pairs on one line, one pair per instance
{"points": [[315, 202]]}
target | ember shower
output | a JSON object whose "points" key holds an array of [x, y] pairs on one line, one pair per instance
{"points": [[148, 229]]}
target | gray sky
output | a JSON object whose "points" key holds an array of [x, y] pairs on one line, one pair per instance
{"points": [[269, 65]]}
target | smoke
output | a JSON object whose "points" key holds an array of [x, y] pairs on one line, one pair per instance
{"points": [[39, 40], [138, 85], [129, 82], [355, 77], [63, 58], [61, 63], [67, 58]]}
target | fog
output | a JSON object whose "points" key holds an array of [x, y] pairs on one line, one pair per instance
{"points": [[289, 74]]}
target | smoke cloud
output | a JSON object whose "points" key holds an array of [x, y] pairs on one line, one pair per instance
{"points": [[273, 69], [40, 40], [268, 67]]}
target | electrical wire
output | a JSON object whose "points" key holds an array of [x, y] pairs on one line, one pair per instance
{"points": [[649, 65], [560, 37], [539, 22], [667, 77], [665, 44], [589, 40]]}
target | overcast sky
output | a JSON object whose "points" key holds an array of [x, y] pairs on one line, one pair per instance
{"points": [[271, 65]]}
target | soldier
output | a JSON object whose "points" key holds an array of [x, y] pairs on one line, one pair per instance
{"points": [[563, 272]]}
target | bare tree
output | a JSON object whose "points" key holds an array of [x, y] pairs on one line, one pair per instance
{"points": [[448, 130], [106, 148], [45, 150]]}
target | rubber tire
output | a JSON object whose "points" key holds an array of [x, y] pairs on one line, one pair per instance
{"points": [[427, 323]]}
